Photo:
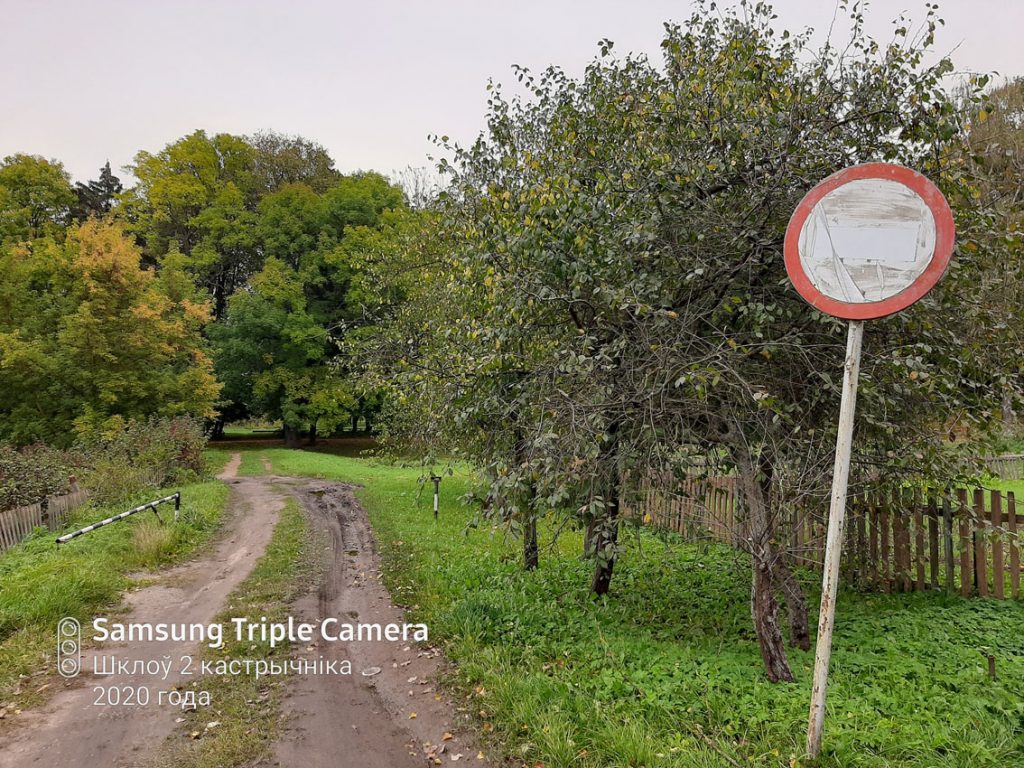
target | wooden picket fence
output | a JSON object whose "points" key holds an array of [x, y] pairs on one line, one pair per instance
{"points": [[959, 540], [51, 513], [1009, 466]]}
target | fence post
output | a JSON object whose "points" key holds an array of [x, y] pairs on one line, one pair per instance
{"points": [[966, 580], [980, 553], [997, 544], [918, 539], [947, 539], [1011, 526], [933, 539]]}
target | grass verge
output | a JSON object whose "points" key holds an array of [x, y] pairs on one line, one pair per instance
{"points": [[40, 583], [247, 710]]}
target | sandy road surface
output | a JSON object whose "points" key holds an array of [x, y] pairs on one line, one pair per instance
{"points": [[391, 719]]}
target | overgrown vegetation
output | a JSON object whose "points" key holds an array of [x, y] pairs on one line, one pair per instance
{"points": [[113, 464]]}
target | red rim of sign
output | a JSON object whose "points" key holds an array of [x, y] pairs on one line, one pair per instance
{"points": [[945, 233]]}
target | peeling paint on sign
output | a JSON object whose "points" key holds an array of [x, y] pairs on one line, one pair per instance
{"points": [[867, 240]]}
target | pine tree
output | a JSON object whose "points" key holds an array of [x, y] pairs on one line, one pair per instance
{"points": [[96, 197]]}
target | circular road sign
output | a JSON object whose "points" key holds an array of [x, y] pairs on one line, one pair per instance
{"points": [[869, 241]]}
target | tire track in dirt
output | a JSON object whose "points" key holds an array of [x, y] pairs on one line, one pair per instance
{"points": [[393, 719], [70, 731]]}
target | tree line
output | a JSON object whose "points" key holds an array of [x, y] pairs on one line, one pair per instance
{"points": [[219, 285]]}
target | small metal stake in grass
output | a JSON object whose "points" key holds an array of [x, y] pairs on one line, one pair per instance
{"points": [[865, 243], [437, 488]]}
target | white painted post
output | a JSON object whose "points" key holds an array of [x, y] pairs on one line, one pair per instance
{"points": [[437, 489], [834, 541]]}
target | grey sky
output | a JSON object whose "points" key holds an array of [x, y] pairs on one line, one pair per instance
{"points": [[84, 81]]}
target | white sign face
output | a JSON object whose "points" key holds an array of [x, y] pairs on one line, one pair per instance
{"points": [[867, 240]]}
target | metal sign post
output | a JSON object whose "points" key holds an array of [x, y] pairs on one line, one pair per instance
{"points": [[865, 243]]}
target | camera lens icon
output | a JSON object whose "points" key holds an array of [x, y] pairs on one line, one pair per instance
{"points": [[69, 645]]}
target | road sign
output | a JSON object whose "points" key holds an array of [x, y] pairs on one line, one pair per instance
{"points": [[865, 243], [869, 241]]}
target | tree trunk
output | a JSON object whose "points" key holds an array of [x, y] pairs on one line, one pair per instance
{"points": [[291, 437], [796, 605], [355, 423], [527, 514], [765, 611], [589, 534], [311, 437], [765, 560], [531, 553], [603, 532], [606, 538]]}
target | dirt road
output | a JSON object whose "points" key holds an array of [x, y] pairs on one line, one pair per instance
{"points": [[389, 719]]}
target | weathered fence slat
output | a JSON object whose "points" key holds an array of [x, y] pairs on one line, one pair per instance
{"points": [[919, 530], [17, 524], [933, 540], [1011, 526], [965, 544], [997, 545], [980, 550]]}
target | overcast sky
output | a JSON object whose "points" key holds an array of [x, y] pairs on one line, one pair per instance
{"points": [[84, 81]]}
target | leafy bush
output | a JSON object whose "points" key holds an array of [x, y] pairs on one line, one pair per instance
{"points": [[143, 455], [29, 474], [112, 465]]}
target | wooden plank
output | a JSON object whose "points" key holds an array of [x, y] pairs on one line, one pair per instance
{"points": [[861, 558], [873, 542], [6, 540], [899, 554], [919, 539], [883, 530], [1011, 529], [933, 539], [947, 539], [966, 579], [980, 550], [997, 544], [794, 534]]}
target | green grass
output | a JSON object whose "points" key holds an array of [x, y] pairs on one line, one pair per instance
{"points": [[40, 583], [247, 709], [666, 671]]}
